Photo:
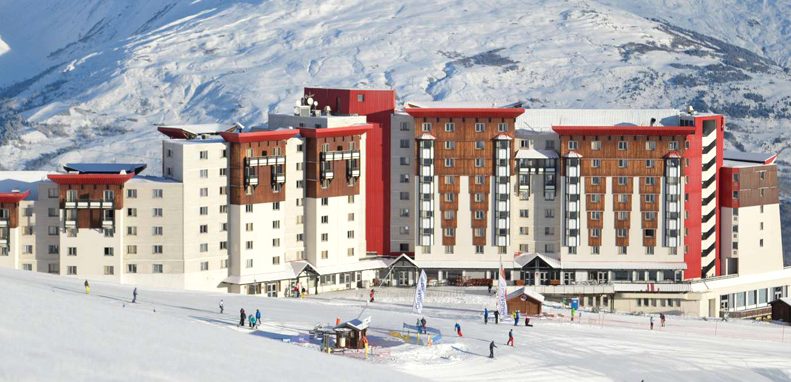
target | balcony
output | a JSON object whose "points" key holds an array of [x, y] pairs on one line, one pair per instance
{"points": [[251, 180], [3, 223], [265, 161], [107, 223], [339, 155], [278, 178], [328, 175], [89, 204]]}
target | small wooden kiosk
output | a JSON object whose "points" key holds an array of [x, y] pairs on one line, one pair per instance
{"points": [[526, 301], [350, 334]]}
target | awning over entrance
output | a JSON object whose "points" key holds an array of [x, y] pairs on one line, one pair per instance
{"points": [[289, 271], [535, 260]]}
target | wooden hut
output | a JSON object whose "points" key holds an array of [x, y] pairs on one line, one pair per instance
{"points": [[526, 301], [350, 333], [781, 309]]}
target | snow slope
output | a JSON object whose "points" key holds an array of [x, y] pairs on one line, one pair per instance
{"points": [[176, 335]]}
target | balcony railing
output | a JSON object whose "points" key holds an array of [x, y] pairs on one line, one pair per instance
{"points": [[89, 204]]}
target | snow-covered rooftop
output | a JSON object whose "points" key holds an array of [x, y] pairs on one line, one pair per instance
{"points": [[735, 158], [544, 119], [459, 105]]}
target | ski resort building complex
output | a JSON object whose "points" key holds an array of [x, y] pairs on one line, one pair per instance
{"points": [[628, 210]]}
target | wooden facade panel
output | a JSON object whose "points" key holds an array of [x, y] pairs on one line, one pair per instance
{"points": [[649, 241], [627, 188], [263, 192], [591, 188], [627, 223], [622, 206], [95, 192], [594, 241], [590, 205], [622, 241], [636, 146], [598, 223], [339, 185], [13, 213]]}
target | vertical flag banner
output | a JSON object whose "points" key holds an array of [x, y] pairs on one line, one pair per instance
{"points": [[502, 305], [420, 292]]}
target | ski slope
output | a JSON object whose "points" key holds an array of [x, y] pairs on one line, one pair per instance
{"points": [[175, 335]]}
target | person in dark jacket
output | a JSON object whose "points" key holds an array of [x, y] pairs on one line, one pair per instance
{"points": [[516, 318], [222, 306], [371, 295], [527, 321], [423, 324], [491, 349], [510, 338], [458, 329], [242, 317], [485, 316], [134, 296], [496, 316]]}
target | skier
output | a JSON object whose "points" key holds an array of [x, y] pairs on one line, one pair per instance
{"points": [[662, 319], [423, 324], [242, 317], [491, 349], [371, 295], [338, 321], [257, 317], [516, 317], [222, 308], [417, 325], [489, 289], [510, 338], [652, 322], [485, 316], [458, 329], [87, 287], [251, 320], [134, 296], [496, 316], [527, 321]]}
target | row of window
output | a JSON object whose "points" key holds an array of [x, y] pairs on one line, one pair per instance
{"points": [[450, 127], [624, 145]]}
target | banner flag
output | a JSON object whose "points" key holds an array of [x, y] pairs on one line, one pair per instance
{"points": [[502, 305], [420, 292]]}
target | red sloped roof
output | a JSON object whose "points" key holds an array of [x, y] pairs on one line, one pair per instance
{"points": [[13, 197], [624, 130], [259, 136], [335, 131], [90, 178]]}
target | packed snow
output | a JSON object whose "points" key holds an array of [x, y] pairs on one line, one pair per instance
{"points": [[180, 335]]}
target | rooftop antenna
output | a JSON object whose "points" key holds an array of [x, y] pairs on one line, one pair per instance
{"points": [[653, 121]]}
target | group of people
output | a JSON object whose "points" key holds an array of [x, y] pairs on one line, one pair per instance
{"points": [[661, 321], [253, 320]]}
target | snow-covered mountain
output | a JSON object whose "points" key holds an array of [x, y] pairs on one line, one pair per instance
{"points": [[88, 82]]}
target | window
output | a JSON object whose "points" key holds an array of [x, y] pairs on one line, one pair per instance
{"points": [[479, 215], [204, 154], [404, 143], [276, 242], [650, 198], [204, 266], [650, 145], [650, 181], [448, 249], [621, 250], [595, 145], [157, 249], [276, 206], [71, 270], [450, 145], [403, 195], [72, 251], [478, 162], [450, 127], [204, 192], [52, 212], [595, 215], [325, 201], [131, 268], [449, 214], [360, 97], [623, 145], [480, 179], [524, 213], [478, 249], [156, 268], [108, 251], [449, 196], [478, 232], [204, 173], [479, 145], [156, 231], [549, 231], [350, 199], [572, 145], [325, 254], [649, 233], [157, 194], [325, 219], [300, 237], [276, 224], [131, 212], [425, 126], [131, 193], [622, 215], [248, 227], [404, 161], [204, 210], [28, 249], [622, 180], [224, 190], [131, 249], [622, 163], [480, 127], [595, 181], [449, 162], [595, 198], [53, 249], [404, 178], [350, 234], [478, 197], [596, 232], [672, 145], [596, 163], [449, 232], [157, 212], [53, 193], [502, 127], [549, 213], [52, 230], [325, 237], [621, 232], [249, 244], [649, 163]]}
